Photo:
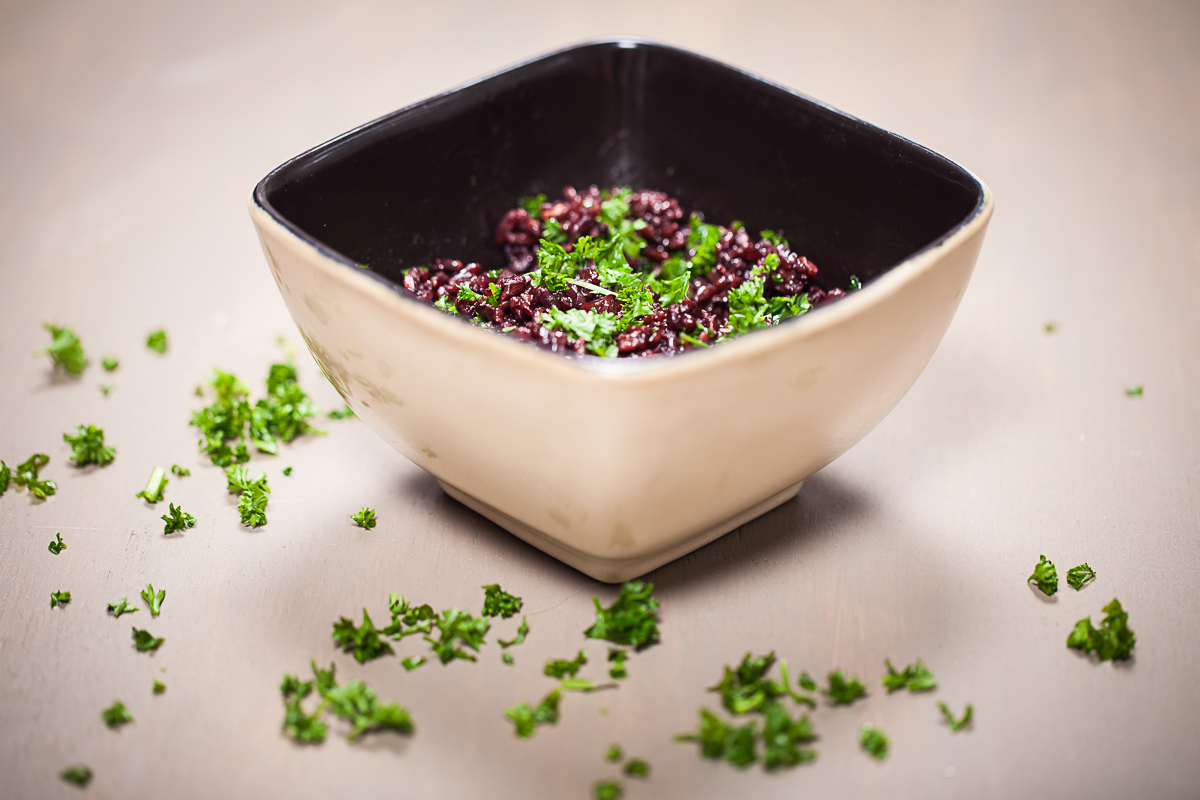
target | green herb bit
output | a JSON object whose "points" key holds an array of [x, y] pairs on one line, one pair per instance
{"points": [[457, 626], [144, 641], [525, 719], [26, 475], [855, 283], [1113, 640], [5, 476], [916, 677], [1045, 575], [116, 715], [556, 668], [287, 471], [105, 388], [596, 328], [418, 619], [957, 725], [304, 728], [507, 658], [1136, 391], [607, 790], [157, 341], [345, 412], [637, 768], [364, 640], [65, 350], [499, 603], [412, 662], [782, 737], [110, 363], [843, 692], [737, 745], [252, 506], [747, 688], [873, 741], [59, 599], [159, 687], [630, 620], [177, 520], [155, 599], [357, 703], [613, 753], [78, 774], [519, 638], [1078, 576], [617, 658], [583, 685], [532, 205], [153, 492], [237, 480], [1050, 327], [364, 518], [88, 447], [58, 546], [805, 682], [119, 607], [180, 472]]}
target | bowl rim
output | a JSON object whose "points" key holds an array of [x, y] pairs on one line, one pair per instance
{"points": [[389, 293]]}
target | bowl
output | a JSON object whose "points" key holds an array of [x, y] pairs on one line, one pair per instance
{"points": [[619, 466]]}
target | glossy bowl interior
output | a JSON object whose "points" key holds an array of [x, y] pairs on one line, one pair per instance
{"points": [[595, 461]]}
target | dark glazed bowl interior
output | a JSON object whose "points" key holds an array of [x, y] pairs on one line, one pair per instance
{"points": [[434, 179]]}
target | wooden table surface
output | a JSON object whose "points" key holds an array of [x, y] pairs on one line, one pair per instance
{"points": [[131, 134]]}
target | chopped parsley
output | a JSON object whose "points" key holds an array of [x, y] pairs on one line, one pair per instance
{"points": [[525, 719], [177, 520], [110, 363], [418, 619], [630, 620], [105, 388], [957, 725], [144, 641], [532, 205], [617, 658], [873, 741], [88, 447], [78, 774], [556, 668], [341, 413], [1050, 327], [412, 662], [252, 494], [583, 685], [119, 607], [26, 475], [1078, 576], [159, 687], [613, 753], [749, 310], [457, 626], [915, 677], [596, 328], [154, 599], [637, 768], [58, 546], [507, 658], [157, 341], [1045, 575], [841, 691], [1113, 640], [364, 640], [5, 476], [355, 702], [116, 715], [180, 472], [364, 518], [855, 283], [499, 603], [783, 738], [747, 688], [607, 790], [59, 599], [1136, 391], [153, 492], [519, 638], [65, 350], [287, 471], [737, 745]]}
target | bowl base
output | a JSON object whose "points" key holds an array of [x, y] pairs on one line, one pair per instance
{"points": [[616, 570]]}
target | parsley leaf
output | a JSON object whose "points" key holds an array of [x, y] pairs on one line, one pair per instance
{"points": [[637, 768], [78, 774], [176, 519], [855, 283], [180, 471], [65, 350], [26, 475], [525, 719], [873, 741], [364, 518], [419, 619], [157, 341], [630, 620], [499, 603], [119, 607], [252, 504], [841, 691], [583, 685], [357, 703], [457, 626], [957, 725], [1078, 576], [153, 492], [57, 547], [781, 734], [556, 668], [532, 205], [519, 638], [607, 790], [1134, 392], [613, 753], [88, 447], [412, 662], [144, 641], [5, 476], [1112, 640], [306, 728], [110, 363], [116, 715], [154, 599], [59, 599], [917, 677], [617, 658], [507, 658], [1045, 575], [594, 327], [363, 640], [341, 413], [287, 471], [159, 687]]}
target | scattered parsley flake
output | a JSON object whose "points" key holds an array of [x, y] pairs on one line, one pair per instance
{"points": [[1050, 327], [532, 205], [153, 492], [26, 474], [159, 687], [105, 388], [155, 599], [412, 662], [5, 476], [916, 677], [1045, 575], [1113, 640], [364, 640], [583, 685], [287, 471], [747, 689], [78, 774], [157, 341], [617, 658], [507, 658], [355, 702], [144, 641], [607, 790], [556, 668], [957, 725], [252, 505], [58, 546], [1078, 576], [782, 737], [180, 472], [499, 603], [119, 607], [177, 519], [364, 518], [630, 620], [341, 413], [873, 741], [855, 283], [116, 715], [88, 447], [110, 363], [841, 691], [525, 719], [457, 626], [59, 599], [637, 768], [718, 739], [418, 619], [613, 753], [1134, 392], [65, 350], [519, 638]]}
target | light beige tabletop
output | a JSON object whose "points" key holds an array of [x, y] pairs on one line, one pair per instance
{"points": [[131, 135]]}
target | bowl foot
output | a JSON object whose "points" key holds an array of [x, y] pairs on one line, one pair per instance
{"points": [[616, 570]]}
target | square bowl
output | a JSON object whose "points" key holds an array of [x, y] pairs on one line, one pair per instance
{"points": [[616, 466]]}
